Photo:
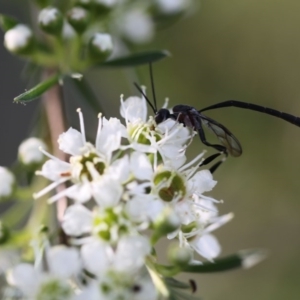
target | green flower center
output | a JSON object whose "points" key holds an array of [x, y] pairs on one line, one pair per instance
{"points": [[111, 223], [54, 290], [97, 163], [171, 184]]}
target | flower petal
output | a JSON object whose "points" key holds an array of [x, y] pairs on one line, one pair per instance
{"points": [[141, 166], [207, 246], [95, 257], [80, 192], [131, 253], [63, 262], [71, 141], [107, 192], [77, 220], [54, 169], [25, 277], [202, 182]]}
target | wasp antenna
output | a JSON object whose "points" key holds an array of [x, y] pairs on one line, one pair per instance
{"points": [[147, 99], [152, 85]]}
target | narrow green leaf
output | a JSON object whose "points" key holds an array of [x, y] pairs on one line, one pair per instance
{"points": [[137, 59], [172, 282], [7, 22], [38, 90], [242, 259]]}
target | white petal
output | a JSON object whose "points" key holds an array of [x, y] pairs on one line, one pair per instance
{"points": [[134, 109], [90, 292], [207, 246], [7, 180], [54, 169], [63, 262], [25, 277], [71, 141], [131, 253], [109, 144], [202, 182], [185, 211], [173, 6], [80, 192], [96, 257], [77, 220], [137, 26], [29, 151], [147, 289], [107, 192], [141, 166], [144, 208], [120, 169]]}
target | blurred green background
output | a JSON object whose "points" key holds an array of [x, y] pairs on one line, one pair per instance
{"points": [[247, 50]]}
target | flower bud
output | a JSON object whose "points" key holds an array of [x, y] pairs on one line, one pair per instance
{"points": [[7, 180], [78, 17], [29, 152], [19, 39], [51, 20], [172, 7], [179, 256], [107, 3], [137, 26], [100, 46], [167, 222]]}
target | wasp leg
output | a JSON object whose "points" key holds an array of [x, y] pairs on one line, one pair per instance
{"points": [[217, 165], [211, 158]]}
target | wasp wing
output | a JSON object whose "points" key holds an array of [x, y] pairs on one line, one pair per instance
{"points": [[226, 138]]}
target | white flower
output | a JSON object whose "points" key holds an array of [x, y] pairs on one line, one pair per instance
{"points": [[168, 138], [78, 13], [103, 42], [118, 286], [7, 181], [90, 167], [107, 225], [119, 270], [62, 263], [137, 26], [172, 6], [29, 152], [18, 38], [128, 257], [108, 3], [48, 15]]}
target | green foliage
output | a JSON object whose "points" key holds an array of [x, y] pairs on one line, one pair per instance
{"points": [[38, 90], [7, 22], [137, 59]]}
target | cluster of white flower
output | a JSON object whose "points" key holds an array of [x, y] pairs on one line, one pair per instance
{"points": [[129, 189]]}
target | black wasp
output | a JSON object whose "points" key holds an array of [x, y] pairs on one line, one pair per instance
{"points": [[195, 119]]}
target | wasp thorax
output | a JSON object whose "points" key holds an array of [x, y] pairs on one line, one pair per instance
{"points": [[170, 185], [89, 166]]}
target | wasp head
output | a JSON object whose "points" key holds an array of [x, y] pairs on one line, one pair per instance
{"points": [[162, 115]]}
